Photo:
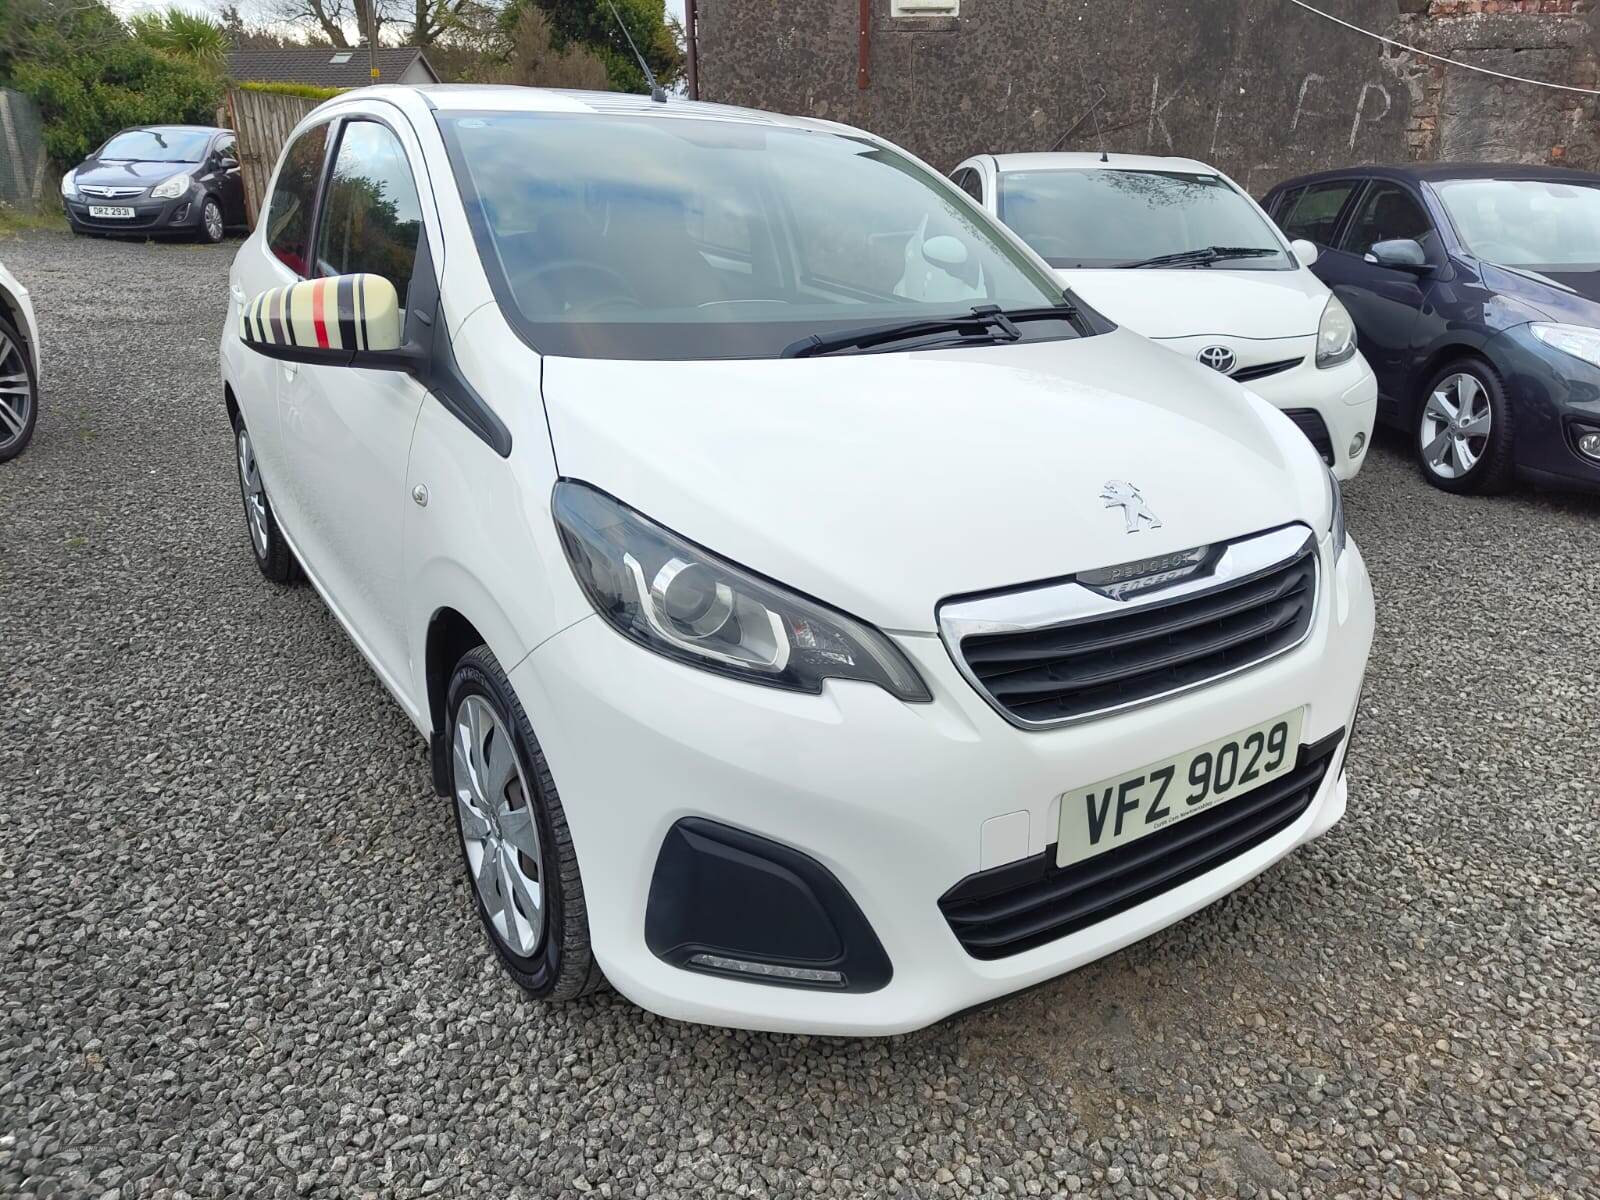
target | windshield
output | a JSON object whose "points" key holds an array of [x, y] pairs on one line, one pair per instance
{"points": [[678, 238], [158, 145], [1532, 223], [1116, 218]]}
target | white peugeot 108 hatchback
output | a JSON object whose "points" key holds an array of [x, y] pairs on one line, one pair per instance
{"points": [[1176, 250], [820, 621]]}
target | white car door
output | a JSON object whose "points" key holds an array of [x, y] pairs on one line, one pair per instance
{"points": [[347, 431], [274, 256]]}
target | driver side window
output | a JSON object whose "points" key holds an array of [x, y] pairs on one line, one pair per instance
{"points": [[371, 216], [1387, 212]]}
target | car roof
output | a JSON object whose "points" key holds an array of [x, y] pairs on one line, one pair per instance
{"points": [[1435, 172], [173, 129], [470, 97], [1086, 160]]}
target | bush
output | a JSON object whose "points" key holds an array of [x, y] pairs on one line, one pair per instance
{"points": [[89, 96], [308, 91]]}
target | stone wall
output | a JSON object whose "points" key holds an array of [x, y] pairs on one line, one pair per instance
{"points": [[1261, 88]]}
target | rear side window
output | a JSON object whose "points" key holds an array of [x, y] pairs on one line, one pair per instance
{"points": [[970, 182], [1314, 214], [1387, 212], [371, 218], [289, 213]]}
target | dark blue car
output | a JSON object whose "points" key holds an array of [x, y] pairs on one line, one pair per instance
{"points": [[1476, 292]]}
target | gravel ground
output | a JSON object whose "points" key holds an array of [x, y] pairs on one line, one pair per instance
{"points": [[237, 954]]}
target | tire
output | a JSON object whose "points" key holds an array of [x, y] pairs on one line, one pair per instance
{"points": [[19, 393], [211, 229], [1450, 454], [266, 540], [548, 958]]}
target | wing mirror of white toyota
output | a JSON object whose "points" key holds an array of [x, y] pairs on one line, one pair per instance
{"points": [[341, 321], [1305, 253], [944, 251]]}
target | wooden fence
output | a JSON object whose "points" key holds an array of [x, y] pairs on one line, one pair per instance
{"points": [[262, 121], [27, 180]]}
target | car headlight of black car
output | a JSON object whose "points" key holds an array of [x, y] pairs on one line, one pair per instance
{"points": [[1580, 341], [171, 189], [681, 601]]}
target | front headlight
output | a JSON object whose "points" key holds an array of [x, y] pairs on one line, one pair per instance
{"points": [[177, 186], [69, 184], [677, 599], [1336, 529], [1336, 335], [1577, 340]]}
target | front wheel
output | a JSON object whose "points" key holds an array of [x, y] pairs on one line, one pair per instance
{"points": [[272, 553], [1463, 434], [211, 228], [518, 852], [19, 393]]}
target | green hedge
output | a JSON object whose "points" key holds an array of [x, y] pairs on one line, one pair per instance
{"points": [[87, 96], [307, 90]]}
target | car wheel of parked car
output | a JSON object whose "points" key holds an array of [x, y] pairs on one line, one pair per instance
{"points": [[514, 839], [272, 553], [1463, 430], [19, 393], [211, 227]]}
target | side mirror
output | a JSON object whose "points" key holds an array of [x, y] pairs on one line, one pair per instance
{"points": [[227, 163], [1401, 254], [944, 251], [1305, 253], [344, 321]]}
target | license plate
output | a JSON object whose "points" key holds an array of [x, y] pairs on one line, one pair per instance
{"points": [[109, 210], [1124, 808]]}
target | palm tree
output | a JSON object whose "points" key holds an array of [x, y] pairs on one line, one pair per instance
{"points": [[179, 33]]}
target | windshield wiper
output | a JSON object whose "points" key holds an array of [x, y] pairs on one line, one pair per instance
{"points": [[987, 323], [1202, 257]]}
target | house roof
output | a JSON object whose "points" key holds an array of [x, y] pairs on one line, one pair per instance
{"points": [[325, 66]]}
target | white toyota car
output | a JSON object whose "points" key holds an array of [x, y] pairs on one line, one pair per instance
{"points": [[819, 621], [1176, 250]]}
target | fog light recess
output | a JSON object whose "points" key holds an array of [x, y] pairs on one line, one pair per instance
{"points": [[1358, 444]]}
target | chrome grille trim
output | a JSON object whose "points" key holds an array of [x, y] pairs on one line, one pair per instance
{"points": [[1068, 603]]}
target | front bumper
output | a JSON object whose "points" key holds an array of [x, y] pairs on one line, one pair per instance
{"points": [[1345, 397], [1555, 398], [891, 798], [149, 216]]}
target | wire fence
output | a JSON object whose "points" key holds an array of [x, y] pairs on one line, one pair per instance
{"points": [[25, 173]]}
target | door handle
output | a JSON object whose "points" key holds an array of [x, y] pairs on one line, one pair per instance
{"points": [[238, 293]]}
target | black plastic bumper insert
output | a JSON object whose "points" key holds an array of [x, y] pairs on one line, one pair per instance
{"points": [[721, 896]]}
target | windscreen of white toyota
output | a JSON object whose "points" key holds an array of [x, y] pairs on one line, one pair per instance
{"points": [[1115, 218]]}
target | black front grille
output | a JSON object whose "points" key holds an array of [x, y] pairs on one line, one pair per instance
{"points": [[1066, 671], [1262, 370], [1024, 904], [1315, 428]]}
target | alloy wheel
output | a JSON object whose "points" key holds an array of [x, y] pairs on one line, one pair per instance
{"points": [[16, 393], [212, 216], [255, 493], [498, 828], [1456, 420]]}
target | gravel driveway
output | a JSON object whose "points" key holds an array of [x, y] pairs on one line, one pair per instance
{"points": [[237, 953]]}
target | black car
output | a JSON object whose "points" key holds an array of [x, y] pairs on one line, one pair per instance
{"points": [[1476, 292], [159, 179]]}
